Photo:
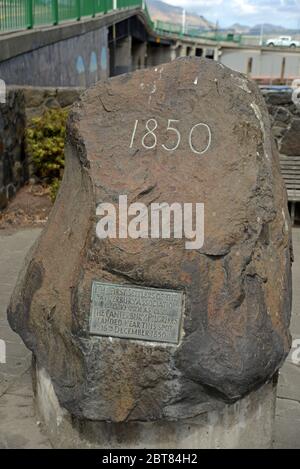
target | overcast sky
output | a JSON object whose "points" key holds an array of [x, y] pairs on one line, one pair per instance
{"points": [[250, 12]]}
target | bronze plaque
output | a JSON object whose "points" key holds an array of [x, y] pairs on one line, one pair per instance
{"points": [[136, 312]]}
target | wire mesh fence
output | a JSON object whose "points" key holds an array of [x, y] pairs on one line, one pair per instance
{"points": [[22, 14]]}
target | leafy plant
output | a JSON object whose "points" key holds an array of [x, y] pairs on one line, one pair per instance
{"points": [[45, 137], [54, 187]]}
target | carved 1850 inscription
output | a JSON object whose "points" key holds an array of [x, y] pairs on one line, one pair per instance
{"points": [[136, 313]]}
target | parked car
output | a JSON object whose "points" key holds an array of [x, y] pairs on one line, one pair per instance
{"points": [[283, 41]]}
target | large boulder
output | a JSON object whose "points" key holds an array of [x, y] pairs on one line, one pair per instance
{"points": [[237, 287]]}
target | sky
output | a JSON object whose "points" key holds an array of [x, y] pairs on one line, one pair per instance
{"points": [[249, 12]]}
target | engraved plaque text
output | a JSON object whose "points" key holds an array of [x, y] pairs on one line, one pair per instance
{"points": [[136, 312]]}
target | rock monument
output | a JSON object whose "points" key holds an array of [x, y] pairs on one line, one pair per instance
{"points": [[157, 300]]}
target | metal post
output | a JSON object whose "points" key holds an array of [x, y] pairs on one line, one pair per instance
{"points": [[114, 48], [183, 21], [55, 12], [78, 10], [2, 92], [29, 13], [293, 213], [94, 8], [261, 41]]}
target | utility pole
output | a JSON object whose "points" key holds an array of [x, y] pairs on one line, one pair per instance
{"points": [[261, 42], [183, 20], [217, 30]]}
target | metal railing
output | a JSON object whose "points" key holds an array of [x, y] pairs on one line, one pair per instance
{"points": [[22, 14], [169, 28], [163, 27]]}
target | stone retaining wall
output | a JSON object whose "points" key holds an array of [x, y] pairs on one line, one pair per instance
{"points": [[13, 164], [22, 104], [285, 118], [38, 99]]}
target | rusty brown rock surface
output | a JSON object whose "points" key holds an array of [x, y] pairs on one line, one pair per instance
{"points": [[290, 141], [237, 286]]}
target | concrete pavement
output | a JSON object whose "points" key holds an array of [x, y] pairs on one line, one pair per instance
{"points": [[18, 424], [287, 424], [13, 248]]}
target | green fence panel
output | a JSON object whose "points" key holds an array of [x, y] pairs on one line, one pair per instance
{"points": [[67, 10], [109, 5], [146, 11], [55, 16], [86, 7], [42, 12], [171, 28], [13, 15], [129, 3]]}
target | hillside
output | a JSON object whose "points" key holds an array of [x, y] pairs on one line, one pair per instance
{"points": [[163, 11], [256, 30]]}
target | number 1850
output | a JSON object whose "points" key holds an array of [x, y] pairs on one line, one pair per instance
{"points": [[149, 139]]}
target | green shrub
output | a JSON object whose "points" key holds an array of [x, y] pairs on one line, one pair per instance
{"points": [[45, 137], [54, 187]]}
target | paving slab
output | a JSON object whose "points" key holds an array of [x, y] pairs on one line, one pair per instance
{"points": [[19, 427], [14, 246], [287, 422]]}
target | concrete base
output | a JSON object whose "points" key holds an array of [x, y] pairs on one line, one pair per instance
{"points": [[246, 424]]}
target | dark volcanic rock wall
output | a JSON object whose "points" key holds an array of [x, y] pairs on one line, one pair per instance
{"points": [[22, 104], [13, 164], [285, 121]]}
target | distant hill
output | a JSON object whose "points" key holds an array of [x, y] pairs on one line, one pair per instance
{"points": [[160, 10], [268, 29], [240, 28], [163, 11]]}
